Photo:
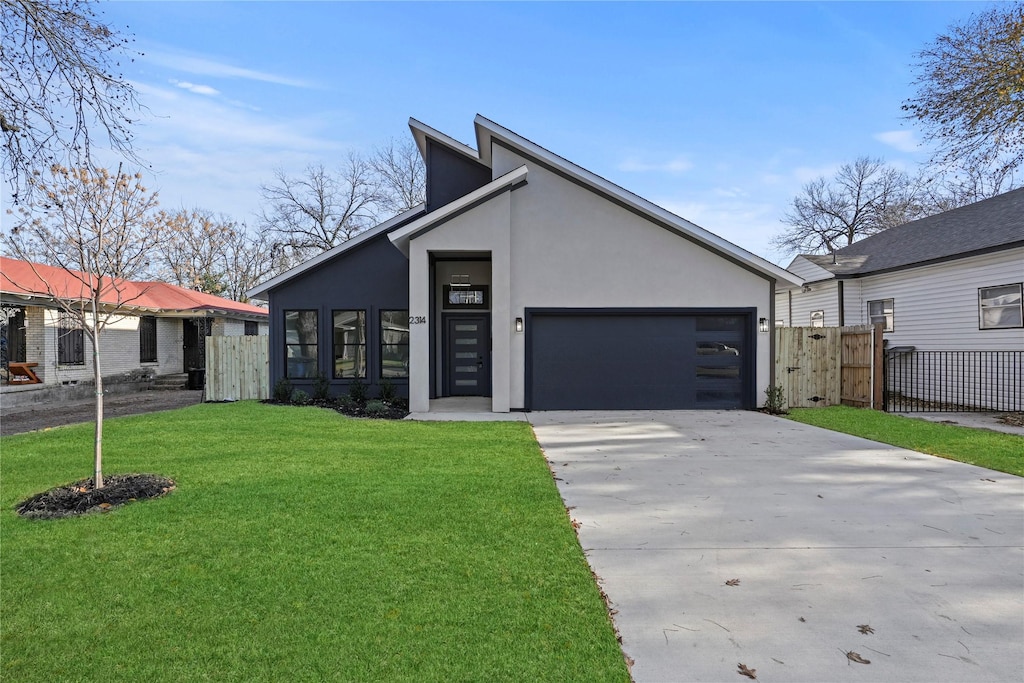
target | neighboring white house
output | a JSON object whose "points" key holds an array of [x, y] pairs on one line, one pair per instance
{"points": [[163, 330], [530, 280], [948, 282]]}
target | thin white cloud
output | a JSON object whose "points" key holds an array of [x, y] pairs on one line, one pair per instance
{"points": [[202, 66], [902, 140], [676, 165], [195, 88]]}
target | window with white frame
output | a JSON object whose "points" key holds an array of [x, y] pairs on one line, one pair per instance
{"points": [[1000, 307], [881, 311], [818, 318]]}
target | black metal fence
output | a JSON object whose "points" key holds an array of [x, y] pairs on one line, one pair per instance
{"points": [[954, 381]]}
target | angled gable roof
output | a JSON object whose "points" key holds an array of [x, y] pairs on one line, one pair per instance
{"points": [[989, 225], [489, 133]]}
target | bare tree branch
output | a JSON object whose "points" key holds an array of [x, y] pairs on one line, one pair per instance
{"points": [[403, 177], [970, 91], [863, 198], [58, 87]]}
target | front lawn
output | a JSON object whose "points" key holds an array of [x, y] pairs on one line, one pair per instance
{"points": [[299, 545], [982, 447]]}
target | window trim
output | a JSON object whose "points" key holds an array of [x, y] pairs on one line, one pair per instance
{"points": [[365, 345], [890, 316], [287, 345], [381, 343], [1020, 307], [153, 343]]}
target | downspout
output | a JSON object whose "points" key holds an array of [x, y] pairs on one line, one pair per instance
{"points": [[842, 308]]}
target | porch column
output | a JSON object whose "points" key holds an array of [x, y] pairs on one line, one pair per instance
{"points": [[419, 329]]}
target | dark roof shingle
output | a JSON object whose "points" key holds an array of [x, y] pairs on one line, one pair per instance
{"points": [[983, 226]]}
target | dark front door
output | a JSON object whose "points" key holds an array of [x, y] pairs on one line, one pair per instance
{"points": [[468, 355], [194, 332]]}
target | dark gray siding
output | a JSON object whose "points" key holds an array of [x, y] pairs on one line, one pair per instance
{"points": [[373, 276], [451, 175]]}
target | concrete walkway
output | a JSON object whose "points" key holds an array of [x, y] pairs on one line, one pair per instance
{"points": [[837, 544]]}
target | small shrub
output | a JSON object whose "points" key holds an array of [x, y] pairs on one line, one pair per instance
{"points": [[376, 408], [357, 390], [283, 391], [775, 402], [345, 402], [300, 397], [388, 392], [321, 387]]}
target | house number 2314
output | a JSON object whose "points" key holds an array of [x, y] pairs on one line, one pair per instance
{"points": [[417, 320]]}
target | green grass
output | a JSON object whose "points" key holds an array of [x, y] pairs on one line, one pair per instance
{"points": [[299, 545], [982, 447]]}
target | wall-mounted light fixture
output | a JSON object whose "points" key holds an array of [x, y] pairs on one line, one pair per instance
{"points": [[762, 324], [460, 281], [519, 324]]}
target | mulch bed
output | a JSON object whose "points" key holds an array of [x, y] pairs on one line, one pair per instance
{"points": [[81, 497], [392, 410]]}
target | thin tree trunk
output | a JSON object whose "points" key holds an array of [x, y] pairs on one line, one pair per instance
{"points": [[98, 379]]}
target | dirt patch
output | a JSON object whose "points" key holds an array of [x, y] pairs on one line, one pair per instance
{"points": [[82, 497], [30, 418], [1012, 419]]}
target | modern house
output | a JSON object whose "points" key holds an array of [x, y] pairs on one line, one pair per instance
{"points": [[947, 283], [163, 330], [529, 280]]}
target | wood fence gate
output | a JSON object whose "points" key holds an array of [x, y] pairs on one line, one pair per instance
{"points": [[824, 366], [237, 368]]}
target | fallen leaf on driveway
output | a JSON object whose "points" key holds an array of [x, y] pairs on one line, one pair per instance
{"points": [[732, 582], [749, 673], [865, 629], [854, 657]]}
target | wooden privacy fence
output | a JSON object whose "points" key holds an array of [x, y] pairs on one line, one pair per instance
{"points": [[237, 368], [824, 366]]}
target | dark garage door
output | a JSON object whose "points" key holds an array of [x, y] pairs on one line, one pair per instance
{"points": [[580, 360]]}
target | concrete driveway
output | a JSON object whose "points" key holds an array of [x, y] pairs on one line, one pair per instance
{"points": [[837, 544]]}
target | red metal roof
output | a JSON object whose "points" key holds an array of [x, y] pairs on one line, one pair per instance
{"points": [[22, 278]]}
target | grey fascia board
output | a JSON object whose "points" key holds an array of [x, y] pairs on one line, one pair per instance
{"points": [[487, 129], [421, 132], [257, 291], [511, 180]]}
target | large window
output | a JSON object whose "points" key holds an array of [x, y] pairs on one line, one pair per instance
{"points": [[394, 343], [1000, 307], [881, 311], [300, 343], [70, 340], [349, 344], [147, 339]]}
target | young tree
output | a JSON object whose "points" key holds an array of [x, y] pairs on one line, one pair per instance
{"points": [[319, 210], [863, 198], [970, 91], [98, 227], [58, 87]]}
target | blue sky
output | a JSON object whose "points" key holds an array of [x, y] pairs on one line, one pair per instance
{"points": [[719, 112]]}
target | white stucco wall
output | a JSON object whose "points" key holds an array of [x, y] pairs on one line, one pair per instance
{"points": [[555, 244], [572, 248]]}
